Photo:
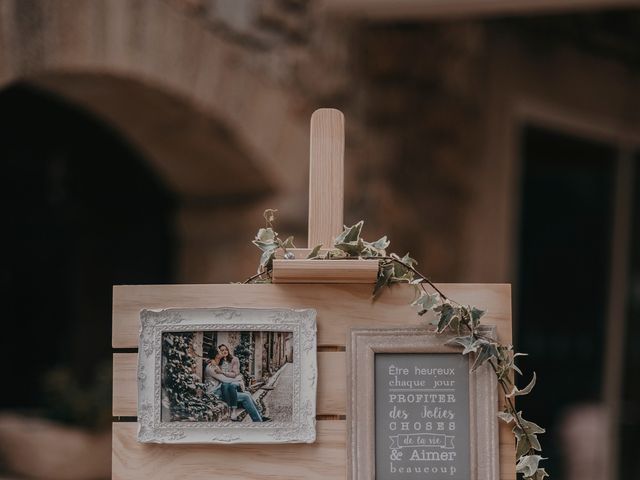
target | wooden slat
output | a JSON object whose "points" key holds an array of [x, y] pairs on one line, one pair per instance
{"points": [[325, 271], [507, 460], [331, 397], [324, 459], [332, 383], [326, 176], [125, 385], [321, 460], [339, 307]]}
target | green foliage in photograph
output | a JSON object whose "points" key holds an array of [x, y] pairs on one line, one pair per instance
{"points": [[186, 396], [445, 314], [243, 351]]}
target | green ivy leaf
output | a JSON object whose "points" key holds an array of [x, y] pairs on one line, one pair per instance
{"points": [[506, 417], [523, 445], [266, 235], [526, 435], [535, 443], [352, 249], [314, 253], [426, 301], [266, 259], [539, 475], [384, 277], [349, 234], [486, 351], [516, 392], [447, 314], [381, 243], [400, 270], [528, 465], [468, 342], [288, 243], [476, 314], [530, 427], [266, 239]]}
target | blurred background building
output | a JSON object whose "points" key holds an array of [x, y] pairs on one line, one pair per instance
{"points": [[497, 141]]}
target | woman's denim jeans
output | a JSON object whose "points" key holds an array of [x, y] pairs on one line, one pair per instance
{"points": [[229, 394]]}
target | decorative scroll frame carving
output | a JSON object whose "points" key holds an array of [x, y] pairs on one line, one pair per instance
{"points": [[483, 397], [302, 323]]}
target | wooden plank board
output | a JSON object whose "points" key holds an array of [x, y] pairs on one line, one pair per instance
{"points": [[325, 271], [339, 307], [326, 176], [321, 460], [332, 383], [125, 385], [324, 459]]}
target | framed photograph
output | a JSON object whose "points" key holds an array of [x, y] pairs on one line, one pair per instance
{"points": [[417, 409], [227, 375]]}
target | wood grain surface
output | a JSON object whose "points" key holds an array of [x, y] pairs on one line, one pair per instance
{"points": [[326, 176], [325, 271], [325, 459], [339, 307]]}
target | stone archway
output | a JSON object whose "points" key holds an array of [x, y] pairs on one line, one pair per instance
{"points": [[162, 46], [82, 210], [195, 102], [198, 158]]}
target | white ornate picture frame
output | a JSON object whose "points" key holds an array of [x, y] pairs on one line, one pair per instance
{"points": [[364, 345], [153, 428]]}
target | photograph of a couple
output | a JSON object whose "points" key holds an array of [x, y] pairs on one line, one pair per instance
{"points": [[227, 376]]}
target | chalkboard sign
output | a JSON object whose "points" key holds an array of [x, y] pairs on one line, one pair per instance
{"points": [[422, 416], [417, 410]]}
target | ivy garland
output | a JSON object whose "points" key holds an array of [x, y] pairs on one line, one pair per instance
{"points": [[449, 316]]}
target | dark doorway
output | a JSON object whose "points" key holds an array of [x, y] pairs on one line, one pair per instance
{"points": [[81, 211], [563, 278], [630, 411]]}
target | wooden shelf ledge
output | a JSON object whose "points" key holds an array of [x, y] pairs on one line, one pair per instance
{"points": [[325, 271]]}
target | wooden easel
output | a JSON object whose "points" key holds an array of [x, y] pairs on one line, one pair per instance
{"points": [[340, 291]]}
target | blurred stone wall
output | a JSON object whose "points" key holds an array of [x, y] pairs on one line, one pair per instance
{"points": [[415, 97], [411, 99]]}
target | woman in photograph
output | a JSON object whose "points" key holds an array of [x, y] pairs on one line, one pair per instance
{"points": [[228, 386], [230, 365]]}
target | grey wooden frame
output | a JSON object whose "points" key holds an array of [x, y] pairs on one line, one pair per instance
{"points": [[483, 397], [302, 323]]}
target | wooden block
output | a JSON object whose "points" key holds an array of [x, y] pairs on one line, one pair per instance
{"points": [[507, 460], [325, 271], [332, 380], [125, 385], [321, 460], [339, 307], [326, 177]]}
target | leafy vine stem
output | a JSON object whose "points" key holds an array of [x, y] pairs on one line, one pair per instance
{"points": [[446, 314]]}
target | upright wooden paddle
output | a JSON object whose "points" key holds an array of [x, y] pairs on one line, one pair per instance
{"points": [[326, 209]]}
